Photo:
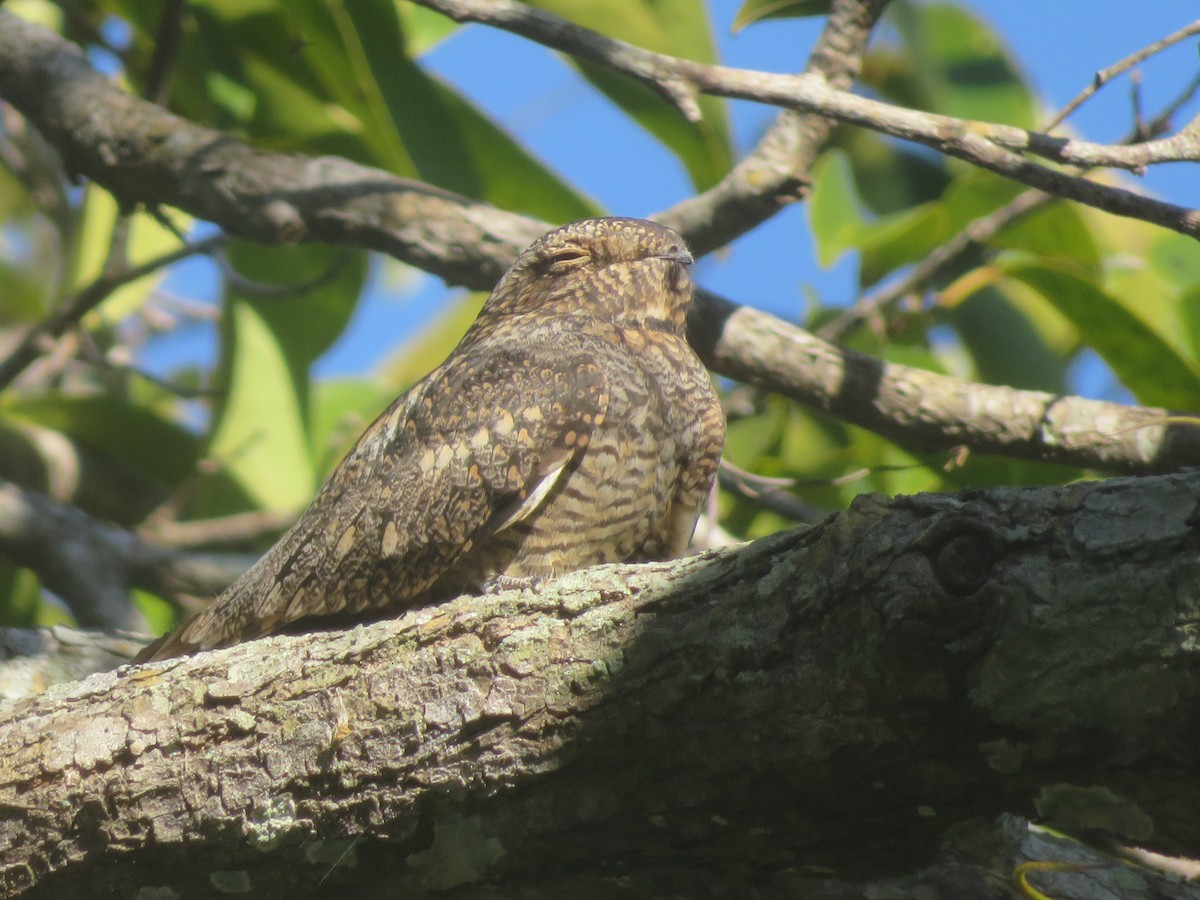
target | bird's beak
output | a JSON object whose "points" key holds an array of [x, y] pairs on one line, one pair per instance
{"points": [[679, 256]]}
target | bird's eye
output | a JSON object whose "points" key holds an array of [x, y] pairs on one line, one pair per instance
{"points": [[565, 260]]}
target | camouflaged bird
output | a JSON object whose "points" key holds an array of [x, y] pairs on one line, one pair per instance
{"points": [[573, 425]]}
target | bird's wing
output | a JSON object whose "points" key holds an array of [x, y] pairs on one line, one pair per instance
{"points": [[467, 452]]}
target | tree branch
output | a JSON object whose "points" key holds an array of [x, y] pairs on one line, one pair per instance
{"points": [[983, 144], [918, 408], [143, 154], [92, 566], [775, 173], [1105, 75], [853, 692]]}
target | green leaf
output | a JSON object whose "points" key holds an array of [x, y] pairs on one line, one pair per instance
{"points": [[342, 408], [833, 208], [24, 297], [1146, 363], [261, 433], [20, 596], [1176, 259], [675, 27], [1059, 232], [1189, 313], [901, 239], [960, 65], [753, 11], [1006, 345], [131, 435], [973, 194], [160, 615], [337, 77]]}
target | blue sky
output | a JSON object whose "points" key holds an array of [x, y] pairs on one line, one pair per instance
{"points": [[1059, 45]]}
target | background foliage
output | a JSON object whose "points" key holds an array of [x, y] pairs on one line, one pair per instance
{"points": [[255, 431]]}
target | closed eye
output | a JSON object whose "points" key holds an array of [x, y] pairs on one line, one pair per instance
{"points": [[565, 260]]}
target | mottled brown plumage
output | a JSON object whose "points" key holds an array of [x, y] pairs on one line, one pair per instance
{"points": [[573, 425]]}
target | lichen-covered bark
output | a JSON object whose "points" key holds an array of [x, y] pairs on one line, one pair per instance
{"points": [[829, 702]]}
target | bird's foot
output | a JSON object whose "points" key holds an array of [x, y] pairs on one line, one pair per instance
{"points": [[499, 583]]}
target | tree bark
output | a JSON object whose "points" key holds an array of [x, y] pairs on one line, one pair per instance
{"points": [[802, 713]]}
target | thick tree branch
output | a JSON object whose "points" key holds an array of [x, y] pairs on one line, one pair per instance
{"points": [[145, 155], [33, 660], [919, 408], [840, 697], [92, 566]]}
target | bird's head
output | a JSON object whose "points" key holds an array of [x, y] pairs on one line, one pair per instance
{"points": [[630, 271]]}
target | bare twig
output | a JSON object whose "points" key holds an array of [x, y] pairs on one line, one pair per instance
{"points": [[1104, 76], [986, 145], [69, 313], [235, 529]]}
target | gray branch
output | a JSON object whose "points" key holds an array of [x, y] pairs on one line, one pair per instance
{"points": [[92, 565], [841, 699], [992, 146]]}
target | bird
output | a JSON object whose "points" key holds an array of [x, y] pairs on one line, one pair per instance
{"points": [[572, 425]]}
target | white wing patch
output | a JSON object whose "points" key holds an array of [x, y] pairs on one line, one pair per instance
{"points": [[533, 499]]}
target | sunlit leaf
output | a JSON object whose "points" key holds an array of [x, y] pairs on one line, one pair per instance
{"points": [[675, 27], [261, 436], [1146, 363], [752, 11], [960, 65], [833, 208]]}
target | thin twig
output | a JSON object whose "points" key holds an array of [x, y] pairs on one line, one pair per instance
{"points": [[240, 528], [69, 313], [978, 232], [168, 41], [1104, 76]]}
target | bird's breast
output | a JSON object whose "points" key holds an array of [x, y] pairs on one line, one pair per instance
{"points": [[617, 501]]}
